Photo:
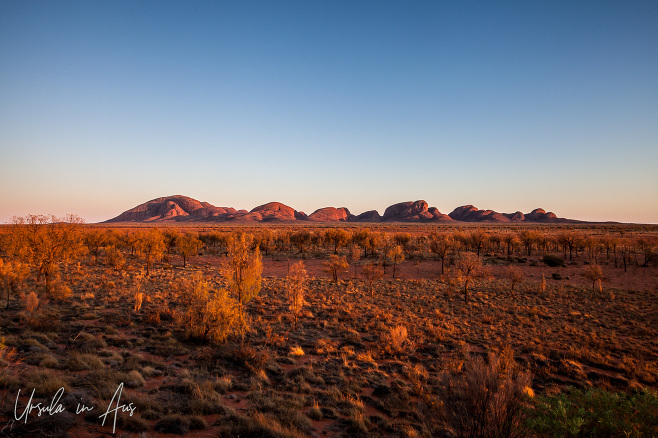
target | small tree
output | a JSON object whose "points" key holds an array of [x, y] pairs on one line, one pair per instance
{"points": [[515, 276], [403, 239], [441, 244], [151, 245], [188, 244], [245, 270], [139, 299], [171, 237], [528, 238], [478, 238], [511, 242], [12, 275], [31, 305], [372, 272], [45, 242], [470, 269], [94, 240], [396, 255], [355, 256], [209, 315], [301, 239], [337, 237], [114, 257], [336, 264], [594, 273], [295, 286], [569, 240]]}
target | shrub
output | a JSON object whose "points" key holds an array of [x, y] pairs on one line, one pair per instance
{"points": [[487, 400], [139, 298], [84, 361], [552, 260], [515, 276], [134, 379], [596, 412], [175, 424], [45, 382], [210, 315], [295, 287], [397, 337]]}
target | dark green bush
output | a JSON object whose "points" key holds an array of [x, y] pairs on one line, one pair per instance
{"points": [[596, 413], [553, 260]]}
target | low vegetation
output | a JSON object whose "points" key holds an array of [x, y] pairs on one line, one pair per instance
{"points": [[286, 331]]}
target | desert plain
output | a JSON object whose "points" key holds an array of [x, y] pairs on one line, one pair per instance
{"points": [[328, 329]]}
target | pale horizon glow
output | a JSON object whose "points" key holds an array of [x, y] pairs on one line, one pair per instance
{"points": [[516, 106]]}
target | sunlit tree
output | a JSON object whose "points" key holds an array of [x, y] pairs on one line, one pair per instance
{"points": [[12, 276], [151, 245], [245, 270], [395, 255], [337, 237], [95, 240], [528, 238], [300, 239], [511, 241], [441, 244], [569, 240], [478, 238], [372, 272], [170, 239], [336, 264], [45, 242], [594, 273], [188, 244], [209, 315], [295, 287], [355, 256], [470, 270]]}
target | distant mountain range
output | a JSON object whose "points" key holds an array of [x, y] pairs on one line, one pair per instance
{"points": [[184, 209]]}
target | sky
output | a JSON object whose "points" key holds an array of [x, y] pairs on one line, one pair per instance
{"points": [[507, 106]]}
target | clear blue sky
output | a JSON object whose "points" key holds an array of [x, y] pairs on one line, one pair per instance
{"points": [[503, 105]]}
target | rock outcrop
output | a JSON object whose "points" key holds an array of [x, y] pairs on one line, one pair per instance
{"points": [[330, 214], [173, 208], [368, 216], [182, 208], [274, 211], [469, 213]]}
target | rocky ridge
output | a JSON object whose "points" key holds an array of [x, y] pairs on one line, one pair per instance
{"points": [[180, 208]]}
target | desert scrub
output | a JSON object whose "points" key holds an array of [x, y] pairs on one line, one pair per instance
{"points": [[204, 400], [86, 342], [595, 412], [83, 361], [487, 399], [287, 411], [175, 424], [111, 357], [296, 351], [325, 346], [45, 382], [223, 384], [134, 379], [395, 340], [103, 382], [256, 424]]}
